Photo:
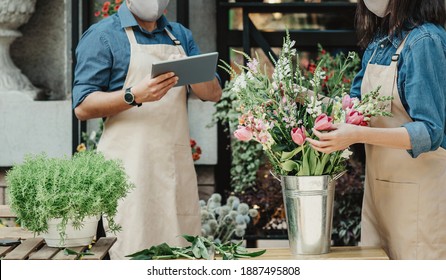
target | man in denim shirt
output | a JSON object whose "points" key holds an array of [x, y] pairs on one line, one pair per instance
{"points": [[146, 122], [404, 206]]}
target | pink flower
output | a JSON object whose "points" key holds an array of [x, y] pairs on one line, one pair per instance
{"points": [[260, 126], [355, 117], [323, 122], [298, 135], [243, 133], [252, 65], [347, 102]]}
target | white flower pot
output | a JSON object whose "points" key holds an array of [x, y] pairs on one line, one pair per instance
{"points": [[74, 237]]}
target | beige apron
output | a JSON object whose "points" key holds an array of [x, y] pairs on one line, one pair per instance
{"points": [[404, 209], [153, 143]]}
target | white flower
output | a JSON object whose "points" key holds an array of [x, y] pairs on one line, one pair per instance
{"points": [[93, 135], [346, 153]]}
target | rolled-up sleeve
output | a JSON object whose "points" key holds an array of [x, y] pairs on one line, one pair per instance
{"points": [[424, 92], [93, 66]]}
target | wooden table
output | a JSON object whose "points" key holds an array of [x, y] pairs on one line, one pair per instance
{"points": [[336, 253], [36, 249]]}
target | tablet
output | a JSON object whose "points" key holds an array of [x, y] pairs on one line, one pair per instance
{"points": [[189, 70]]}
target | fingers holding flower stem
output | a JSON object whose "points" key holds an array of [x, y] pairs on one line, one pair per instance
{"points": [[339, 137]]}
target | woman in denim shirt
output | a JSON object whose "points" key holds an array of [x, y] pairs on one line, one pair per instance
{"points": [[404, 208]]}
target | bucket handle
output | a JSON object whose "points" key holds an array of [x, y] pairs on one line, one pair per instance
{"points": [[275, 176], [339, 175]]}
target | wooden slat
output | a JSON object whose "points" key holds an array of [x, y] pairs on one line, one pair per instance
{"points": [[336, 253], [61, 254], [100, 248], [5, 250], [5, 212], [45, 253], [22, 251], [15, 232]]}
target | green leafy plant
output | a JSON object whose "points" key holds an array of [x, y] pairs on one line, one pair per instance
{"points": [[246, 157], [42, 188], [199, 249]]}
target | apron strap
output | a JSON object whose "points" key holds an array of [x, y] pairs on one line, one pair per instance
{"points": [[131, 35], [396, 56], [180, 48], [173, 38]]}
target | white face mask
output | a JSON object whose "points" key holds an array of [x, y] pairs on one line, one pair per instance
{"points": [[378, 7], [147, 10]]}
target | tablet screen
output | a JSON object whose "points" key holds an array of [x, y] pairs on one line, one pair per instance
{"points": [[190, 70]]}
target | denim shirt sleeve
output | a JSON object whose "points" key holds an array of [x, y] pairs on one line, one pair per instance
{"points": [[422, 83], [94, 61], [355, 90]]}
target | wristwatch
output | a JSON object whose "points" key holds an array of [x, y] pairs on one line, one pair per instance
{"points": [[129, 98]]}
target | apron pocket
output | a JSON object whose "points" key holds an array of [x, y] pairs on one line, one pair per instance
{"points": [[185, 181], [397, 211]]}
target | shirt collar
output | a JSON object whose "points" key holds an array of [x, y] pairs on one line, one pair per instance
{"points": [[128, 20], [395, 40]]}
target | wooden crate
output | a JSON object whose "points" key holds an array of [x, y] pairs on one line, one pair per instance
{"points": [[36, 249]]}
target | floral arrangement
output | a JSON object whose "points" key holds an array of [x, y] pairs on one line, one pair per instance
{"points": [[108, 8], [220, 223], [247, 157], [280, 111], [196, 150]]}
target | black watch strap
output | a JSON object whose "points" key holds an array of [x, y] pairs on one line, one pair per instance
{"points": [[129, 98]]}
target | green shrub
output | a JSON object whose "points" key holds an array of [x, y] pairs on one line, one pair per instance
{"points": [[87, 184]]}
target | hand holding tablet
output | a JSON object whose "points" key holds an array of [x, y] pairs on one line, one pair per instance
{"points": [[189, 70]]}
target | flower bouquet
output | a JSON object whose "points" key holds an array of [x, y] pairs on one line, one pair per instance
{"points": [[280, 112]]}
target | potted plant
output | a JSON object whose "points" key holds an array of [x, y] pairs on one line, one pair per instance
{"points": [[69, 190]]}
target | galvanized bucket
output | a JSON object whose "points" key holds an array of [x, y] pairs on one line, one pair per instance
{"points": [[308, 204]]}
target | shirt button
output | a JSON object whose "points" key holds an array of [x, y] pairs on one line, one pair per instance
{"points": [[382, 46]]}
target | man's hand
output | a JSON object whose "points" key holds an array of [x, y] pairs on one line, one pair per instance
{"points": [[153, 89]]}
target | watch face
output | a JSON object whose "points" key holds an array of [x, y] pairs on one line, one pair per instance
{"points": [[128, 97]]}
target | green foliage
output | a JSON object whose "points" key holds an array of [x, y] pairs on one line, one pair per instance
{"points": [[246, 157], [87, 184], [338, 74], [199, 249], [91, 140], [348, 204], [347, 221]]}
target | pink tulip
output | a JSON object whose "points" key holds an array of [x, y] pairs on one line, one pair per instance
{"points": [[243, 133], [347, 102], [298, 135], [323, 122], [355, 117]]}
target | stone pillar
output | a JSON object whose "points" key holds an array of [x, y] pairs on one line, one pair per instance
{"points": [[13, 14], [43, 53]]}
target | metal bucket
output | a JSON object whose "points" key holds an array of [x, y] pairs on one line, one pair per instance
{"points": [[308, 204]]}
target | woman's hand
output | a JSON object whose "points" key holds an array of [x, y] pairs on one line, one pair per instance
{"points": [[340, 137]]}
